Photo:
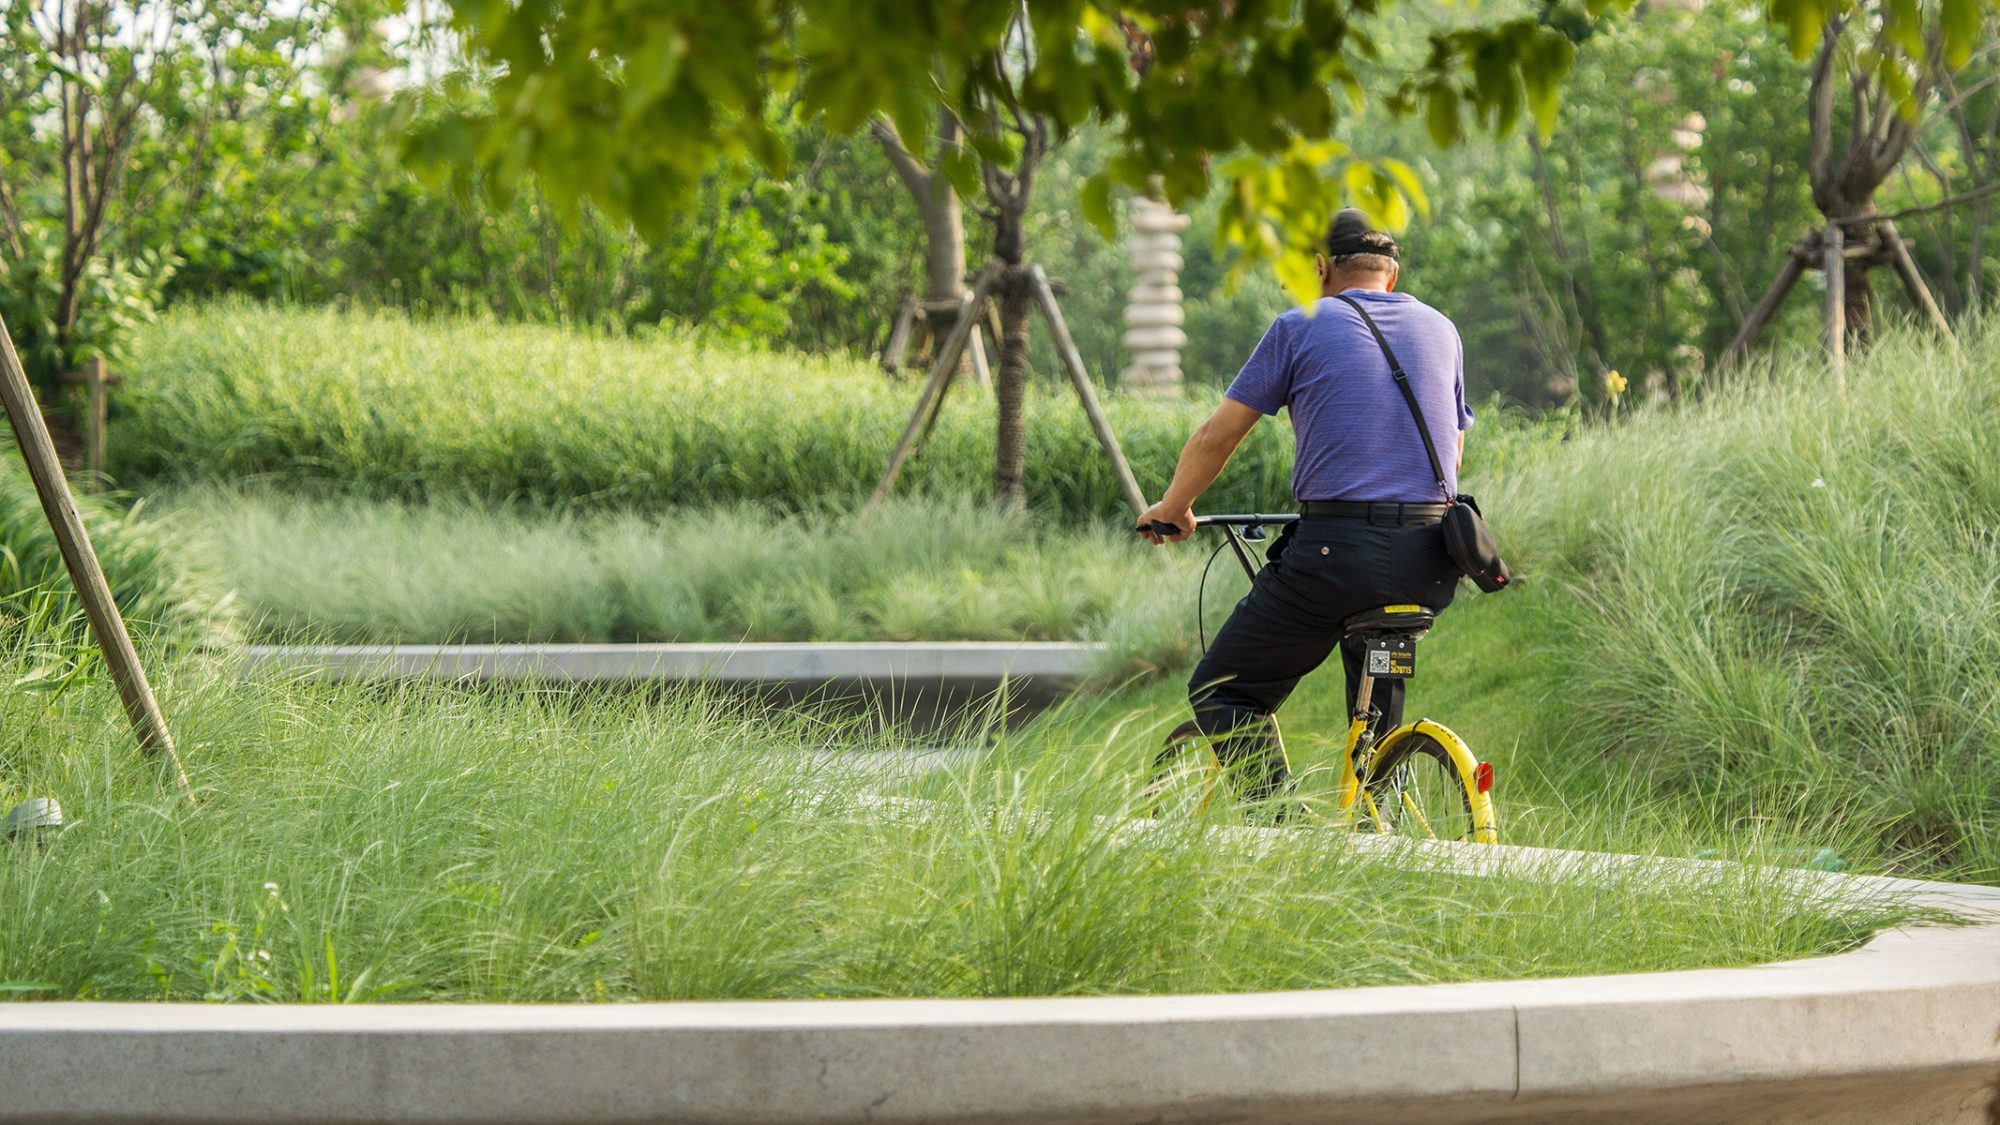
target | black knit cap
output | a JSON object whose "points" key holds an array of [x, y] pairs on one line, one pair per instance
{"points": [[1351, 233]]}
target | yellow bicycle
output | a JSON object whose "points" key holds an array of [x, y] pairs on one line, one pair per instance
{"points": [[1417, 780]]}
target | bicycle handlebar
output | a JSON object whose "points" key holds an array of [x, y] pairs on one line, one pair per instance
{"points": [[1250, 520]]}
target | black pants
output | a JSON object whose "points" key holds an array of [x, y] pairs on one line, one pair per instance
{"points": [[1322, 570]]}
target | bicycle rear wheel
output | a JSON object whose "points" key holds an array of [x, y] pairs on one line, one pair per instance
{"points": [[1416, 790], [1186, 775]]}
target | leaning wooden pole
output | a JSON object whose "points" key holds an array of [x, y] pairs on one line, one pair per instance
{"points": [[943, 366], [1835, 245], [1913, 282], [1073, 362], [1754, 324], [32, 435]]}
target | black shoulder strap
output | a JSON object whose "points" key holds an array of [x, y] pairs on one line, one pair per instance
{"points": [[1409, 396]]}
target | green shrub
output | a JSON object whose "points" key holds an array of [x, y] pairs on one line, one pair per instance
{"points": [[378, 405]]}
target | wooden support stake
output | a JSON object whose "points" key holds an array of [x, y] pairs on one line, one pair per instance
{"points": [[1080, 379], [980, 369], [943, 365], [899, 338], [1913, 282], [1836, 303], [1760, 317], [32, 435], [93, 458]]}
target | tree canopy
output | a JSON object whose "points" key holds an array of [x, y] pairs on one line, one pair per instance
{"points": [[627, 103]]}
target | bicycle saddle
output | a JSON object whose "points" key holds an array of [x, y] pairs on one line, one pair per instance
{"points": [[1390, 619]]}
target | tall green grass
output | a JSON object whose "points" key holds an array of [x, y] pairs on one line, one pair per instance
{"points": [[357, 844], [1765, 624], [1768, 614], [378, 405], [371, 572], [1782, 604], [162, 598]]}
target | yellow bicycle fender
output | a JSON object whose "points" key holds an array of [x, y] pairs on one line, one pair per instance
{"points": [[1485, 828]]}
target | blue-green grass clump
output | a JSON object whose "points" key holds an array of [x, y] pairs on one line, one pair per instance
{"points": [[1781, 602], [358, 571]]}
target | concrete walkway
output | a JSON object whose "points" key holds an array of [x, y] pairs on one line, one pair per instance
{"points": [[1905, 1029]]}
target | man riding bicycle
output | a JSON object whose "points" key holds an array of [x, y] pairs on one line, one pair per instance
{"points": [[1368, 499]]}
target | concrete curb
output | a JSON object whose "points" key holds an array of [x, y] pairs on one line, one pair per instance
{"points": [[956, 663], [923, 685], [1903, 1029]]}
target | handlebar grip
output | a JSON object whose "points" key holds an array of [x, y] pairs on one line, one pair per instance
{"points": [[1160, 528]]}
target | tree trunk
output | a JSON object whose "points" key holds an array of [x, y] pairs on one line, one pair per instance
{"points": [[1010, 384], [1858, 296], [1860, 301], [944, 240]]}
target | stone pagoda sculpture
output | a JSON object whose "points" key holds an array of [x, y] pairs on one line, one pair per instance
{"points": [[1153, 316]]}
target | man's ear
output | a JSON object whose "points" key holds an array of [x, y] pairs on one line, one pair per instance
{"points": [[1395, 271]]}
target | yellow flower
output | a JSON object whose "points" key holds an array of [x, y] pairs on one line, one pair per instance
{"points": [[1614, 383]]}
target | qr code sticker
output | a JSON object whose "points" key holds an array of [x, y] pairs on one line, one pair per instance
{"points": [[1378, 662]]}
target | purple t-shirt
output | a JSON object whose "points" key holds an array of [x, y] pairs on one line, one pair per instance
{"points": [[1355, 435]]}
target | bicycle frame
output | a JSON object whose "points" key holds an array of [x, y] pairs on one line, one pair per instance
{"points": [[1360, 748]]}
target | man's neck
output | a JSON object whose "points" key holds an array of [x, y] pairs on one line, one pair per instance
{"points": [[1336, 288]]}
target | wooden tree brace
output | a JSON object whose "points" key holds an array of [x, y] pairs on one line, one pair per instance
{"points": [[31, 433], [929, 400], [1086, 393]]}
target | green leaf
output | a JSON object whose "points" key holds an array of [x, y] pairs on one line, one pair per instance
{"points": [[1903, 25], [1803, 20], [768, 147], [1544, 64], [961, 166], [1961, 19], [1300, 276], [1409, 182], [1096, 203], [1441, 116], [650, 74]]}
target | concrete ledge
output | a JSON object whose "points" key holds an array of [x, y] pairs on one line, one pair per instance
{"points": [[957, 663], [923, 685], [1903, 1029]]}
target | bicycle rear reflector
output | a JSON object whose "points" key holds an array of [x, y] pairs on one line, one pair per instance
{"points": [[1482, 777]]}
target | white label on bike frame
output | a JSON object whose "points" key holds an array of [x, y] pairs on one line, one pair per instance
{"points": [[1391, 658]]}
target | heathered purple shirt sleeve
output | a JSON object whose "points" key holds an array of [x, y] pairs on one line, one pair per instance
{"points": [[1458, 390], [1265, 382]]}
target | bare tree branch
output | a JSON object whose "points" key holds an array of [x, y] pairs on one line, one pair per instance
{"points": [[1952, 201], [915, 176], [1819, 107]]}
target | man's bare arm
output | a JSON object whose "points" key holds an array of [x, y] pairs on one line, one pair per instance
{"points": [[1202, 459]]}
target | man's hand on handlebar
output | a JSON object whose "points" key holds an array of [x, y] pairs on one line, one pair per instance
{"points": [[1161, 523]]}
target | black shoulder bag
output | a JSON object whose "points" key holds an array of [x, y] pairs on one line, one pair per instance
{"points": [[1466, 537]]}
